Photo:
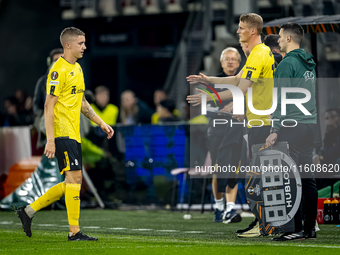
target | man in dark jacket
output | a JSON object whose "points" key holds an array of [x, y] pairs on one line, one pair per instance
{"points": [[40, 87], [40, 97], [272, 42], [297, 70], [225, 144]]}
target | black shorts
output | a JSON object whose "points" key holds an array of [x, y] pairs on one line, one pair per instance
{"points": [[68, 153]]}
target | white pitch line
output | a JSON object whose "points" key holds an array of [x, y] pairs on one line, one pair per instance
{"points": [[141, 229], [193, 232], [306, 246], [46, 225], [117, 228], [91, 227], [165, 230], [6, 222]]}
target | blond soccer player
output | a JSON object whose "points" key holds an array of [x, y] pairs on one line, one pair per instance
{"points": [[65, 101]]}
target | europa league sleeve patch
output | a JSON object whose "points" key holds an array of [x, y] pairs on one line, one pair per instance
{"points": [[54, 75]]}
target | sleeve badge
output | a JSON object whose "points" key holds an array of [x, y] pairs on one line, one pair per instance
{"points": [[54, 75]]}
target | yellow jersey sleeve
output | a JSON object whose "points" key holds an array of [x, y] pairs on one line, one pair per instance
{"points": [[55, 81], [252, 69]]}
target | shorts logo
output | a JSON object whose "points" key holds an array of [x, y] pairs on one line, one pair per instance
{"points": [[54, 75], [76, 162]]}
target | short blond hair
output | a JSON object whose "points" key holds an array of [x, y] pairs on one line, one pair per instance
{"points": [[233, 50], [69, 33], [253, 20]]}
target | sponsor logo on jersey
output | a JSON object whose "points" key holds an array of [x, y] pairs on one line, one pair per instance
{"points": [[54, 75], [74, 89], [251, 68], [54, 83], [80, 91], [71, 73]]}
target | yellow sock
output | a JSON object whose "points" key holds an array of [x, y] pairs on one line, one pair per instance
{"points": [[72, 203], [52, 195]]}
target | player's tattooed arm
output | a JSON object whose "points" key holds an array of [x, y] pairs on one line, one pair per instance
{"points": [[86, 109]]}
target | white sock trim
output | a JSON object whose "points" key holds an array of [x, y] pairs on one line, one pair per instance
{"points": [[29, 211], [219, 204], [230, 206]]}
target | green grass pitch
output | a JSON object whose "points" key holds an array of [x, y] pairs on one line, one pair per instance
{"points": [[149, 232]]}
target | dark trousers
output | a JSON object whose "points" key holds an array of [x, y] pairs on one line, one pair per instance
{"points": [[257, 135], [225, 149], [300, 140]]}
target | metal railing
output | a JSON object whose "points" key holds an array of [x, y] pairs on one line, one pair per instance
{"points": [[195, 40]]}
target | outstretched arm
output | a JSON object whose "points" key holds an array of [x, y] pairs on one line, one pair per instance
{"points": [[87, 110], [196, 99], [232, 80]]}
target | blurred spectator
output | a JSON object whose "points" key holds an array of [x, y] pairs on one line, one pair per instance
{"points": [[25, 110], [331, 143], [133, 110], [21, 96], [158, 96], [11, 116], [165, 111], [330, 152], [40, 97], [107, 112]]}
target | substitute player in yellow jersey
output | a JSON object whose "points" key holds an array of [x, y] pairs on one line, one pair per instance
{"points": [[256, 73], [65, 101]]}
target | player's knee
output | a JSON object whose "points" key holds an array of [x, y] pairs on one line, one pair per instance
{"points": [[73, 177]]}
